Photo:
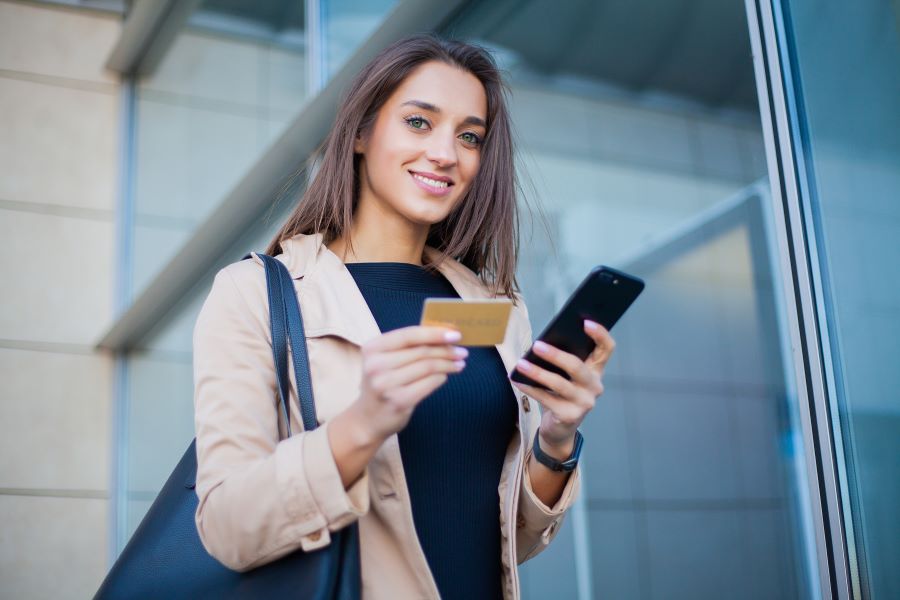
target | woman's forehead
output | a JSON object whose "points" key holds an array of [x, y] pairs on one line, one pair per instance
{"points": [[447, 88]]}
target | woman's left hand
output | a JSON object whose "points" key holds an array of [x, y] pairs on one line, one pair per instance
{"points": [[569, 401]]}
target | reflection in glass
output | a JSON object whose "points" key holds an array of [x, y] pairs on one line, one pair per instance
{"points": [[228, 86], [346, 24], [640, 138], [847, 61]]}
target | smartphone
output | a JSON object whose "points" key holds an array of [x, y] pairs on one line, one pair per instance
{"points": [[603, 297]]}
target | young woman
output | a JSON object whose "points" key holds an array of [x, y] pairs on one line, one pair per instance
{"points": [[428, 445]]}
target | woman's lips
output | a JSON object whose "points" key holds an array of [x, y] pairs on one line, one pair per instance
{"points": [[432, 186]]}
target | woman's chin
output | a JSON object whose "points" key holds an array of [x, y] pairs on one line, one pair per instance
{"points": [[427, 215]]}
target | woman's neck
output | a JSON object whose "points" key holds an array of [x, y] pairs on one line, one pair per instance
{"points": [[378, 247]]}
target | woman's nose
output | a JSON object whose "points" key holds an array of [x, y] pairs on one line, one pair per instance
{"points": [[441, 150]]}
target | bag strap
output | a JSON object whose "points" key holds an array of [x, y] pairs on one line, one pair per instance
{"points": [[278, 326], [286, 323], [297, 337]]}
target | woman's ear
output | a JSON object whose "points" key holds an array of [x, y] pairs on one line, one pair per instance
{"points": [[359, 145]]}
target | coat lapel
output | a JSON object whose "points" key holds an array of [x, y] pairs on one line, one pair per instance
{"points": [[333, 305]]}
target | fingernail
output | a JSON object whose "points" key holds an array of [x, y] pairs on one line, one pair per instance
{"points": [[541, 346], [460, 364], [591, 325], [460, 352], [523, 364], [453, 336]]}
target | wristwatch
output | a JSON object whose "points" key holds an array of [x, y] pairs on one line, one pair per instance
{"points": [[553, 464]]}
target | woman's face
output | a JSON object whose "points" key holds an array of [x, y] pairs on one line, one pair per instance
{"points": [[424, 148]]}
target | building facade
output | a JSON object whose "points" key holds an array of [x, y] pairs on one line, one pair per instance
{"points": [[742, 157]]}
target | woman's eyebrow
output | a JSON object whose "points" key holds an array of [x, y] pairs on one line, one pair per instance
{"points": [[470, 120]]}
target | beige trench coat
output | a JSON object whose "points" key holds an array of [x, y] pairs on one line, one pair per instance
{"points": [[261, 498]]}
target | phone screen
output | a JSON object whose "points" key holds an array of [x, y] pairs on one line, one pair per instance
{"points": [[603, 296]]}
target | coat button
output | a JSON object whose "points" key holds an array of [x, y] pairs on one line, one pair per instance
{"points": [[314, 536], [526, 405]]}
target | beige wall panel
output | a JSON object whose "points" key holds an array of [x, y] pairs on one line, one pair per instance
{"points": [[57, 145], [54, 420], [52, 547], [58, 42], [57, 277]]}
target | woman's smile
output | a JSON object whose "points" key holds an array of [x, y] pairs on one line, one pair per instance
{"points": [[437, 185]]}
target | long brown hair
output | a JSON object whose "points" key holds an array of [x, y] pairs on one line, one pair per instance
{"points": [[482, 230]]}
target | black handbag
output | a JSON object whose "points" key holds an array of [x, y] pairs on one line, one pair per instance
{"points": [[165, 558]]}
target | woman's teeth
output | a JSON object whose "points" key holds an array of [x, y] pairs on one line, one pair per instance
{"points": [[431, 182]]}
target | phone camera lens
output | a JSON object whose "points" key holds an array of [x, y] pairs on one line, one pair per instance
{"points": [[615, 281]]}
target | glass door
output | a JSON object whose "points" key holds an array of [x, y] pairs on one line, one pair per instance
{"points": [[641, 147]]}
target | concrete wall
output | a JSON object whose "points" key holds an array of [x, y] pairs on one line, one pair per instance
{"points": [[58, 155]]}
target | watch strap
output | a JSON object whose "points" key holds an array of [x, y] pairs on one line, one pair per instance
{"points": [[551, 463]]}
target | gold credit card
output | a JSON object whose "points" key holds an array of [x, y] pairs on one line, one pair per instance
{"points": [[481, 322]]}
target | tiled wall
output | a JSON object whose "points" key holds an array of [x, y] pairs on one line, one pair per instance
{"points": [[58, 160]]}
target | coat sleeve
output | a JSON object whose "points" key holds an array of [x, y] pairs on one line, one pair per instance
{"points": [[536, 523], [259, 498]]}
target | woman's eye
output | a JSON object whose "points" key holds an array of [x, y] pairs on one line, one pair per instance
{"points": [[470, 138], [416, 122]]}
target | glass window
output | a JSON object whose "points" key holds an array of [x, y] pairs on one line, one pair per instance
{"points": [[640, 138], [227, 87], [347, 23], [847, 62]]}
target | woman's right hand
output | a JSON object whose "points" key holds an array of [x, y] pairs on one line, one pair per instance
{"points": [[400, 369]]}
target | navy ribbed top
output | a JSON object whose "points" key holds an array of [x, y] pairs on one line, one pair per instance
{"points": [[454, 445]]}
